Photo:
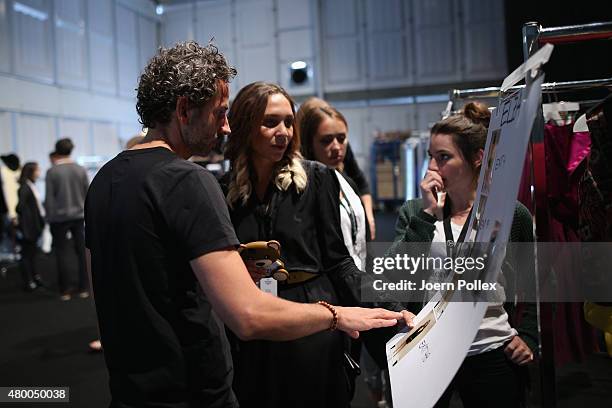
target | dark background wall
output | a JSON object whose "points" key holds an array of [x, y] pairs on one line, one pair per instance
{"points": [[589, 60]]}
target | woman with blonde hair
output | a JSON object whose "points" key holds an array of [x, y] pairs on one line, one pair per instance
{"points": [[274, 194]]}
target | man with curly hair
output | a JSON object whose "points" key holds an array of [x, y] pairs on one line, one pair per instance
{"points": [[161, 249]]}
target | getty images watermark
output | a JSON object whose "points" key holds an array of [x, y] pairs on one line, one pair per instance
{"points": [[527, 272], [412, 265]]}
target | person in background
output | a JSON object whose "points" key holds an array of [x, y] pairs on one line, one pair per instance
{"points": [[494, 371], [134, 140], [10, 168], [351, 167], [30, 216], [3, 209], [324, 137], [66, 187], [53, 157]]}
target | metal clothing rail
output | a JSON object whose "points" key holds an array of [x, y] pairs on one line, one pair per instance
{"points": [[534, 35], [575, 33], [549, 87]]}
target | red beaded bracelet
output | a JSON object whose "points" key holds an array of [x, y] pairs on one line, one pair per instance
{"points": [[334, 323]]}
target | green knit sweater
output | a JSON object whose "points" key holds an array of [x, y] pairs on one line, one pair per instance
{"points": [[415, 225]]}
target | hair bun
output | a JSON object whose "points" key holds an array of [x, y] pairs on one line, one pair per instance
{"points": [[478, 113]]}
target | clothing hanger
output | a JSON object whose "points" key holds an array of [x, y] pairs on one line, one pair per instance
{"points": [[581, 123], [560, 112]]}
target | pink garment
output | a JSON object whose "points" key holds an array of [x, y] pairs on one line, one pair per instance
{"points": [[564, 156], [565, 153], [559, 164]]}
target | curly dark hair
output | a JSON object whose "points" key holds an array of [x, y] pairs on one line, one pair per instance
{"points": [[187, 69]]}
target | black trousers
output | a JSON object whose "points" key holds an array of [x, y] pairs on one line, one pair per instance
{"points": [[488, 380], [28, 255], [61, 248]]}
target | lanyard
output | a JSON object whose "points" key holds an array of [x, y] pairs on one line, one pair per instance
{"points": [[346, 204], [448, 231]]}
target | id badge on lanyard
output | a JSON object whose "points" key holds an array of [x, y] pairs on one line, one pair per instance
{"points": [[451, 245]]}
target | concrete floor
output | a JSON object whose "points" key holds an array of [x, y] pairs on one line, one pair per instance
{"points": [[43, 342]]}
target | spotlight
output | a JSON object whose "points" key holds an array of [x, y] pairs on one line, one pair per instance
{"points": [[298, 72]]}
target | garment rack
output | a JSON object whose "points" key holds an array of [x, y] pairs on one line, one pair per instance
{"points": [[549, 87], [534, 36], [534, 33]]}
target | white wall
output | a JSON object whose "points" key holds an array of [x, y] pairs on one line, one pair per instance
{"points": [[368, 118], [378, 44], [353, 45], [259, 37], [73, 64], [68, 68]]}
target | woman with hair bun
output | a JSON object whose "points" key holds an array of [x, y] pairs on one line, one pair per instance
{"points": [[494, 372]]}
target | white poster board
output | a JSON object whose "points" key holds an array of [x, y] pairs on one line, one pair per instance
{"points": [[424, 360]]}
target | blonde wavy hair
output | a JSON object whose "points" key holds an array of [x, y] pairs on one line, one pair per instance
{"points": [[245, 118]]}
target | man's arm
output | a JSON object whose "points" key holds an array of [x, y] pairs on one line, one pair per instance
{"points": [[253, 314]]}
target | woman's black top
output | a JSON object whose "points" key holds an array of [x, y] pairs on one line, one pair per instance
{"points": [[31, 222], [352, 170], [307, 225]]}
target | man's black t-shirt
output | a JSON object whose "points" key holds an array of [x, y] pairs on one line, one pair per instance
{"points": [[147, 214]]}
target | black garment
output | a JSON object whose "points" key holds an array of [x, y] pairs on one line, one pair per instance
{"points": [[3, 210], [31, 222], [3, 207], [31, 225], [488, 379], [352, 170], [595, 188], [307, 372], [30, 278], [62, 250], [147, 214], [307, 225]]}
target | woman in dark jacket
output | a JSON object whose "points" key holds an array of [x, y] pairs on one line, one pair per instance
{"points": [[31, 223], [274, 194]]}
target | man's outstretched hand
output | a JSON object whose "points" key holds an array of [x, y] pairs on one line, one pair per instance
{"points": [[352, 320]]}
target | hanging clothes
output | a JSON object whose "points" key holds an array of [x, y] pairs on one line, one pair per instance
{"points": [[595, 189], [559, 165], [595, 216], [565, 153]]}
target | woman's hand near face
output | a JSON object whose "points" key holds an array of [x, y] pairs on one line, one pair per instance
{"points": [[431, 185]]}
